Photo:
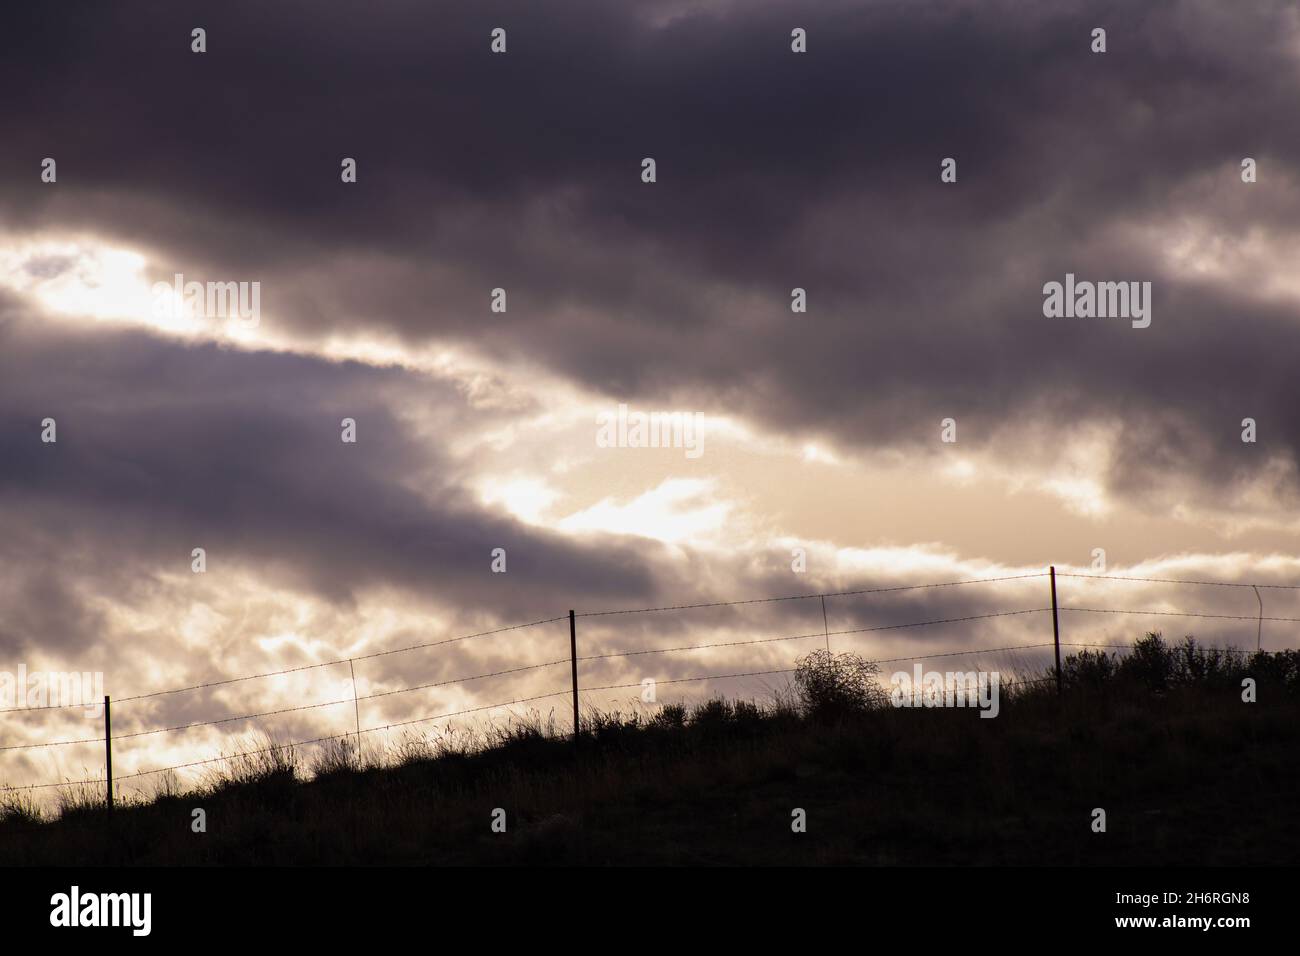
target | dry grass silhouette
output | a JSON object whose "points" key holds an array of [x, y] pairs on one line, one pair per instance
{"points": [[1188, 774]]}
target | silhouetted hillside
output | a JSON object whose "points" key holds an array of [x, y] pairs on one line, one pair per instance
{"points": [[1160, 738]]}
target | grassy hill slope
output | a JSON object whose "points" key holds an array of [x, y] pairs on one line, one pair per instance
{"points": [[1186, 771]]}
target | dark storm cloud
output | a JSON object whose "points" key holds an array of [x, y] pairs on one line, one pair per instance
{"points": [[775, 170], [164, 447]]}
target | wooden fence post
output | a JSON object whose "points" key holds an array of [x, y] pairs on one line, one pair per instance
{"points": [[1056, 633], [573, 658], [108, 752]]}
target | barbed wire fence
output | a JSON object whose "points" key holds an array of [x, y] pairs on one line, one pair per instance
{"points": [[575, 689]]}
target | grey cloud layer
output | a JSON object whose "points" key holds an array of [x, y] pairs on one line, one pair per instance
{"points": [[164, 447], [775, 170], [521, 171]]}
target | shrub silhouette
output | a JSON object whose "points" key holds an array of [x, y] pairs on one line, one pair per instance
{"points": [[832, 685], [1207, 666], [1151, 663], [672, 716], [1276, 669], [1088, 670], [1157, 666]]}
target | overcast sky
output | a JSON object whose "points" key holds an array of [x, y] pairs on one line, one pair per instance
{"points": [[477, 429]]}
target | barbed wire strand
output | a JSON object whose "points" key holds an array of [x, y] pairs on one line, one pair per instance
{"points": [[801, 637], [413, 647], [681, 607], [1221, 584], [515, 670], [301, 667], [804, 597], [418, 720], [1225, 617], [284, 710], [614, 654], [285, 746]]}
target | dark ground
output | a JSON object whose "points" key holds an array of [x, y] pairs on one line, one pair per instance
{"points": [[1187, 775]]}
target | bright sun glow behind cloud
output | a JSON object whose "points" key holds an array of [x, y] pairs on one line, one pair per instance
{"points": [[678, 509], [86, 278], [77, 277]]}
